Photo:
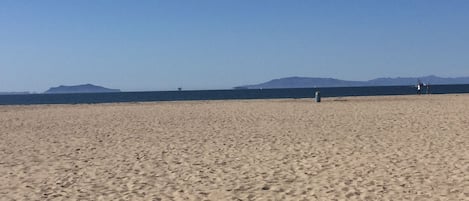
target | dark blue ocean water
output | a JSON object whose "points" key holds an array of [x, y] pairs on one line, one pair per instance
{"points": [[221, 94]]}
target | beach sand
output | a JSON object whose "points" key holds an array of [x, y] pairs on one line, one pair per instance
{"points": [[351, 148]]}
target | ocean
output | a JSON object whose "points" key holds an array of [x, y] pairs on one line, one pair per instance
{"points": [[91, 98]]}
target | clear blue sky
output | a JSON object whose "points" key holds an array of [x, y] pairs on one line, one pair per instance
{"points": [[199, 44]]}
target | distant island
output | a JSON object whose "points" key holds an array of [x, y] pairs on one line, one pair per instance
{"points": [[86, 88], [313, 82]]}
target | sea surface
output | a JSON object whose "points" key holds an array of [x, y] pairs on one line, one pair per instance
{"points": [[90, 98]]}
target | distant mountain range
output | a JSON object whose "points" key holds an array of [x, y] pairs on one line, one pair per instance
{"points": [[86, 88], [310, 82]]}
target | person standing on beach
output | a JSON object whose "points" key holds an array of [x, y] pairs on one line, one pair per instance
{"points": [[419, 88]]}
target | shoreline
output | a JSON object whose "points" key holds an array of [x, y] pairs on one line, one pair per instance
{"points": [[298, 93]]}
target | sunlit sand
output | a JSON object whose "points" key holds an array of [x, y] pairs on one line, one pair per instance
{"points": [[352, 148]]}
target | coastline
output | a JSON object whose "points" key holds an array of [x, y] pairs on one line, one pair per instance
{"points": [[202, 95]]}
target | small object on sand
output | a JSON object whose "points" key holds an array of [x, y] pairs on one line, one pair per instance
{"points": [[318, 96]]}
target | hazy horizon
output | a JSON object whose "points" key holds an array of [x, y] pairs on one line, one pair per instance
{"points": [[242, 85], [163, 45]]}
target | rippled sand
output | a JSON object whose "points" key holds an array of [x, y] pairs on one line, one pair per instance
{"points": [[361, 148]]}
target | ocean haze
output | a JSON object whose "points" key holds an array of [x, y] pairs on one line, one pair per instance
{"points": [[287, 82]]}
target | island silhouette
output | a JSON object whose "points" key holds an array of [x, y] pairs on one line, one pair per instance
{"points": [[316, 82], [85, 88]]}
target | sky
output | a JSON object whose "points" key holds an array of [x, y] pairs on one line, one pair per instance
{"points": [[219, 44]]}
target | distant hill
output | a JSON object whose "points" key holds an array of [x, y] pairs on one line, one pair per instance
{"points": [[310, 82], [86, 88]]}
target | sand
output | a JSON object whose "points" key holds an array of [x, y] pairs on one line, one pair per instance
{"points": [[352, 148]]}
